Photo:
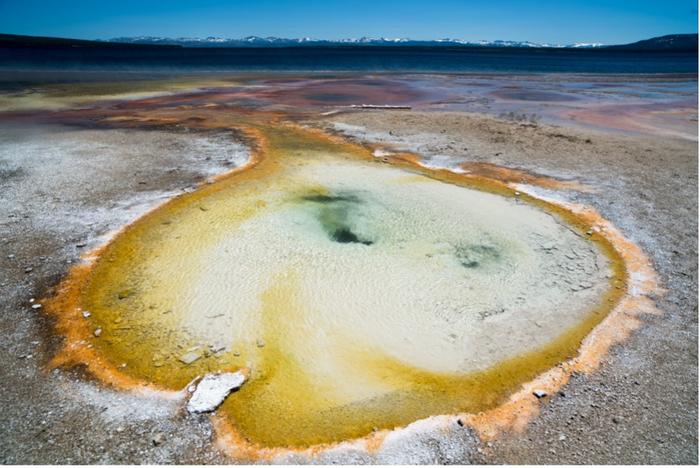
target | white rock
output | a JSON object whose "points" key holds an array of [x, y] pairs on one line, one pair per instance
{"points": [[380, 153], [212, 390]]}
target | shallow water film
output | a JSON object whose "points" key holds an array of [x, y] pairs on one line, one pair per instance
{"points": [[359, 294]]}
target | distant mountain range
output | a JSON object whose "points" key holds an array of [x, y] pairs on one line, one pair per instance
{"points": [[256, 41], [669, 42], [673, 42]]}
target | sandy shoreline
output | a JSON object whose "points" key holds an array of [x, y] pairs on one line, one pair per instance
{"points": [[640, 407]]}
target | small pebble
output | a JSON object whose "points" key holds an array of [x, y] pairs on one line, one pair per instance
{"points": [[540, 393], [190, 357], [158, 439], [36, 306], [124, 294], [86, 314], [97, 332]]}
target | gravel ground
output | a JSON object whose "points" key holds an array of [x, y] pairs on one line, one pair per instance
{"points": [[61, 188]]}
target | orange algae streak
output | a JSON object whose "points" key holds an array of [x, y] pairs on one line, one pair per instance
{"points": [[244, 425], [517, 176]]}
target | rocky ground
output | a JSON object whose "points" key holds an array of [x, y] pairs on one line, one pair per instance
{"points": [[62, 190]]}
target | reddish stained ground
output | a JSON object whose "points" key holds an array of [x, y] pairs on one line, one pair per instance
{"points": [[645, 107], [664, 118], [303, 94], [342, 92], [293, 96]]}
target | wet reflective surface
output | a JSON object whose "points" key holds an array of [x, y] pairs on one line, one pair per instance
{"points": [[637, 104]]}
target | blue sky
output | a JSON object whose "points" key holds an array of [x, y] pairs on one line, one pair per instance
{"points": [[541, 21]]}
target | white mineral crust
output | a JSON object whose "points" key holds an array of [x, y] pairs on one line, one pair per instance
{"points": [[212, 390]]}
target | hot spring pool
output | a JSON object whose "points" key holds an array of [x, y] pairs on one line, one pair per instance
{"points": [[360, 295]]}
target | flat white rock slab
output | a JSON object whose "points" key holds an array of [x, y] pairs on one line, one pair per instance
{"points": [[212, 390]]}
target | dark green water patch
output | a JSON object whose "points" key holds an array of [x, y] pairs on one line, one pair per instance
{"points": [[478, 255], [335, 212], [326, 199]]}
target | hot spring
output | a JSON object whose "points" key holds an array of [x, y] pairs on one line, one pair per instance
{"points": [[361, 295]]}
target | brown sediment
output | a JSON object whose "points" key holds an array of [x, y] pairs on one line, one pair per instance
{"points": [[625, 301]]}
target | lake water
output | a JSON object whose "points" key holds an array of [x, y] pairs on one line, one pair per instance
{"points": [[414, 59]]}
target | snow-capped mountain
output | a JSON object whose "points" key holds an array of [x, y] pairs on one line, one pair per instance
{"points": [[270, 41]]}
